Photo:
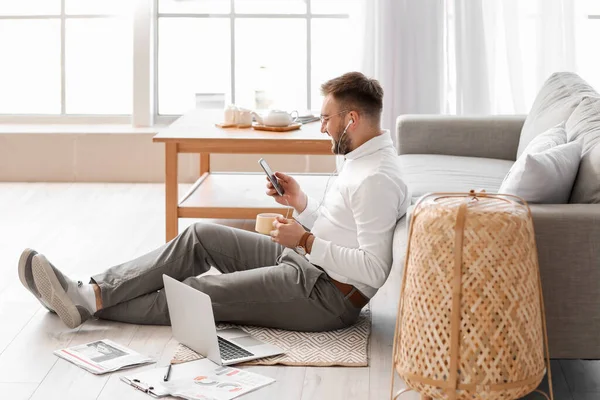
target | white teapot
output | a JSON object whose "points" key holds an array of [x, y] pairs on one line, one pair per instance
{"points": [[276, 118]]}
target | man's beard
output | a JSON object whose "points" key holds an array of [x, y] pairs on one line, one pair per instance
{"points": [[341, 147]]}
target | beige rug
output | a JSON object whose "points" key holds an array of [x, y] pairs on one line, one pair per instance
{"points": [[344, 347]]}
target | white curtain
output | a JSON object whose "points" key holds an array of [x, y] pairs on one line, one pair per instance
{"points": [[504, 50], [402, 46], [465, 56]]}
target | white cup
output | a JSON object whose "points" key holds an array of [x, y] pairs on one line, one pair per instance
{"points": [[243, 116], [230, 114], [264, 222]]}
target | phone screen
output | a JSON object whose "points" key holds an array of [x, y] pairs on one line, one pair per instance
{"points": [[271, 176]]}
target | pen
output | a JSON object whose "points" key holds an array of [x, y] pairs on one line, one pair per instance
{"points": [[166, 378]]}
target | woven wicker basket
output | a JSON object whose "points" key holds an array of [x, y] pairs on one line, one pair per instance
{"points": [[471, 320]]}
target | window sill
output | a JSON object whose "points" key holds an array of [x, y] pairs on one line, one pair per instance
{"points": [[77, 129]]}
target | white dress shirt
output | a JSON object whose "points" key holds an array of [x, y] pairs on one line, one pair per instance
{"points": [[354, 225]]}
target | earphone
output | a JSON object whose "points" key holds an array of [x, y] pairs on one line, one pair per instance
{"points": [[343, 133], [336, 169]]}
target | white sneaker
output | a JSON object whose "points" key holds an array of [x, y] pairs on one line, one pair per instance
{"points": [[26, 276], [53, 287]]}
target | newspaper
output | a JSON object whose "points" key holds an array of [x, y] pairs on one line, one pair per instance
{"points": [[102, 356], [214, 382]]}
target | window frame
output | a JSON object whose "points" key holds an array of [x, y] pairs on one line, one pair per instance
{"points": [[307, 16], [145, 63], [63, 117]]}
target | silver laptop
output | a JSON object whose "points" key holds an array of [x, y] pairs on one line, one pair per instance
{"points": [[193, 325]]}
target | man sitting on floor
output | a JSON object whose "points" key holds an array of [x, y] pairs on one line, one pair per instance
{"points": [[267, 281]]}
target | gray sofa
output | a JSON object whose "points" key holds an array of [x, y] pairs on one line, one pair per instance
{"points": [[450, 153]]}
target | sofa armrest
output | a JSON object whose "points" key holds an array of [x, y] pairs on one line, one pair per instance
{"points": [[568, 243], [487, 137], [568, 234]]}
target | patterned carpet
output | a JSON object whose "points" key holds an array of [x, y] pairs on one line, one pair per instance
{"points": [[344, 347]]}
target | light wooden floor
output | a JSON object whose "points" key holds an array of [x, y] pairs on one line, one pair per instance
{"points": [[85, 228]]}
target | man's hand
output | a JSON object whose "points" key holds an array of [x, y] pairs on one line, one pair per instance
{"points": [[291, 192], [287, 232]]}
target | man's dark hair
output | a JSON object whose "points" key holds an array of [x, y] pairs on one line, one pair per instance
{"points": [[355, 91]]}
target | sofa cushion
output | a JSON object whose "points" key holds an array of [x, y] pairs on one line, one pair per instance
{"points": [[424, 173], [554, 136], [555, 102], [586, 188], [544, 177], [584, 126]]}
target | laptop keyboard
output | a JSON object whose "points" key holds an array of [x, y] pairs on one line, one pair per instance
{"points": [[230, 351]]}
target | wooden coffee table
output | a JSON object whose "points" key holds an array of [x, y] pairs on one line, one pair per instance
{"points": [[231, 195]]}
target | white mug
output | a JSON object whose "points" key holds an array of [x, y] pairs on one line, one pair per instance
{"points": [[243, 116], [230, 114]]}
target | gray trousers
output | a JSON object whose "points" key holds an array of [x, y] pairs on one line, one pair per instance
{"points": [[262, 283]]}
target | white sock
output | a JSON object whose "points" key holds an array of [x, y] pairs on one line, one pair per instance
{"points": [[82, 295]]}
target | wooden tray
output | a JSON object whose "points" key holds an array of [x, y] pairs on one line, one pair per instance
{"points": [[291, 127], [239, 126]]}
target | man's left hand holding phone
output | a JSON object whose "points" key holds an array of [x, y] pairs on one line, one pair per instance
{"points": [[283, 188], [286, 191]]}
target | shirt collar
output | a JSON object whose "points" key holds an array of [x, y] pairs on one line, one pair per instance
{"points": [[371, 146]]}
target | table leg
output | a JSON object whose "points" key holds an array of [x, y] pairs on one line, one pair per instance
{"points": [[171, 193], [204, 163]]}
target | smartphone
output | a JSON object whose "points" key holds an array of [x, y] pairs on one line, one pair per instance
{"points": [[271, 176]]}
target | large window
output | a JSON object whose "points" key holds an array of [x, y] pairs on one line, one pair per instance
{"points": [[111, 60], [65, 57], [255, 53]]}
